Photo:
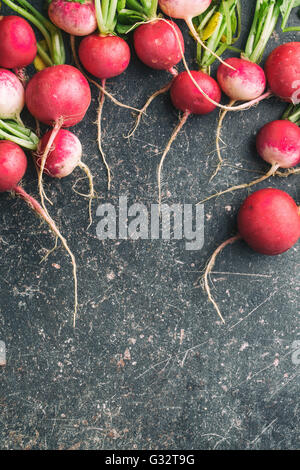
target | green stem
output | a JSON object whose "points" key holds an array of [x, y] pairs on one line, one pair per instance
{"points": [[292, 113], [267, 30]]}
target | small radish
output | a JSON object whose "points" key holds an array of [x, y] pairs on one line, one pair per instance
{"points": [[64, 156], [13, 164], [58, 96], [18, 43], [269, 222], [12, 96], [73, 17], [104, 55], [187, 98], [277, 143], [283, 72]]}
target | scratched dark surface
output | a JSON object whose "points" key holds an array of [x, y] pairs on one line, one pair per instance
{"points": [[149, 365]]}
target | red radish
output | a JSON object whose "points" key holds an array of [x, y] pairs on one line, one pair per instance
{"points": [[269, 222], [59, 96], [18, 42], [12, 95], [13, 164], [283, 72], [159, 44], [64, 156], [156, 44], [187, 98], [278, 143], [58, 93], [104, 56], [76, 18]]}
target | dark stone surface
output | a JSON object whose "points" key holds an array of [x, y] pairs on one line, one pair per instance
{"points": [[149, 366]]}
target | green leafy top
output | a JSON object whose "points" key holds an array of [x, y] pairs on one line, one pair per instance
{"points": [[219, 27], [267, 14], [133, 12]]}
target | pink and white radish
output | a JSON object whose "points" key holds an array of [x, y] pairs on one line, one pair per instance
{"points": [[187, 98], [277, 143], [12, 96], [18, 43], [269, 222], [64, 156], [58, 96], [73, 17], [13, 165]]}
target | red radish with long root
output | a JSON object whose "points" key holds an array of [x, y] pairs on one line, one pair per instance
{"points": [[64, 156], [18, 43], [58, 96], [269, 222], [104, 55], [76, 18], [13, 165], [277, 143], [187, 98], [158, 43]]}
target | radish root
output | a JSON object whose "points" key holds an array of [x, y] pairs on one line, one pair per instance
{"points": [[218, 139], [43, 213], [151, 98], [96, 84], [91, 194], [271, 172], [44, 156], [172, 139], [99, 138], [209, 269]]}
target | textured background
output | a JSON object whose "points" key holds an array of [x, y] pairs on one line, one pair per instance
{"points": [[149, 365]]}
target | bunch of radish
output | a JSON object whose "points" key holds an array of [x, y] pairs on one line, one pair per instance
{"points": [[59, 95]]}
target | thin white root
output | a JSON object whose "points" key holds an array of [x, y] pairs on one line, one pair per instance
{"points": [[96, 84], [290, 171], [172, 139], [99, 138], [43, 213], [271, 172], [145, 107], [47, 149], [209, 269], [50, 251], [91, 194], [218, 139]]}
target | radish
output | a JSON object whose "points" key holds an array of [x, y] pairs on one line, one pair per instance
{"points": [[18, 43], [269, 222], [64, 156], [51, 49], [73, 17], [248, 81], [187, 98], [13, 164], [104, 55], [283, 72], [59, 96], [277, 143], [158, 42], [12, 96]]}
